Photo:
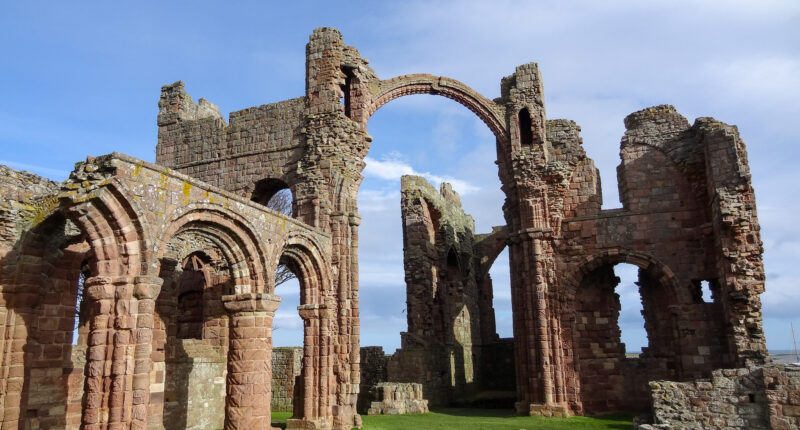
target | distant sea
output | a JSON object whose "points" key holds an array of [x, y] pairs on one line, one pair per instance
{"points": [[778, 355], [783, 356]]}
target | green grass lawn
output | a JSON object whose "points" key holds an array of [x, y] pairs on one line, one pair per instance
{"points": [[474, 419]]}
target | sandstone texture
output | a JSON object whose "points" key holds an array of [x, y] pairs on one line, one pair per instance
{"points": [[163, 272], [394, 398], [749, 398]]}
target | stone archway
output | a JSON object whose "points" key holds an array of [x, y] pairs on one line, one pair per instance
{"points": [[605, 377], [314, 392], [488, 112], [130, 238]]}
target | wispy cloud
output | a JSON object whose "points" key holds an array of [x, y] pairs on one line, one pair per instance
{"points": [[48, 172], [392, 167]]}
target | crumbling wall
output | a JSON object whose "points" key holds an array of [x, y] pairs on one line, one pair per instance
{"points": [[688, 217], [449, 297], [441, 291], [286, 365], [194, 391], [666, 228], [373, 372], [765, 397], [394, 398], [260, 142]]}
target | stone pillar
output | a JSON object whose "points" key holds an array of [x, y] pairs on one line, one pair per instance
{"points": [[354, 221], [541, 389], [19, 303], [145, 291], [317, 373], [120, 400], [99, 295], [249, 388], [118, 361], [12, 372]]}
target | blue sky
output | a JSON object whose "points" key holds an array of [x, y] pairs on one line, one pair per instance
{"points": [[83, 78]]}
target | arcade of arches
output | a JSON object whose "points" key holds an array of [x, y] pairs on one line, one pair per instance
{"points": [[178, 297]]}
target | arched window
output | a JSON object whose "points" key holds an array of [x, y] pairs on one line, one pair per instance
{"points": [[274, 194]]}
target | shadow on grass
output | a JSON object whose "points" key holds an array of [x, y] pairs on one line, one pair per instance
{"points": [[480, 419], [612, 421], [279, 419]]}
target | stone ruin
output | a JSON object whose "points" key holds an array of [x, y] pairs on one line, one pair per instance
{"points": [[171, 264]]}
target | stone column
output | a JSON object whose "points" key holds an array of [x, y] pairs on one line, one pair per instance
{"points": [[99, 295], [14, 336], [249, 388], [145, 291], [540, 380], [318, 379], [310, 315], [118, 358], [120, 398]]}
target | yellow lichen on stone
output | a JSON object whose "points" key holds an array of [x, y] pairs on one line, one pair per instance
{"points": [[187, 189]]}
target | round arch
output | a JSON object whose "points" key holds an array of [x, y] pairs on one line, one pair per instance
{"points": [[590, 315], [658, 270], [113, 230], [302, 254], [234, 234], [452, 89]]}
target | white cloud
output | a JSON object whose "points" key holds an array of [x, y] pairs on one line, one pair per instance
{"points": [[734, 60], [392, 168], [39, 170], [372, 200], [388, 169]]}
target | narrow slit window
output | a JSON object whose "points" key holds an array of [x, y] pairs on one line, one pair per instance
{"points": [[348, 82], [705, 291], [525, 127]]}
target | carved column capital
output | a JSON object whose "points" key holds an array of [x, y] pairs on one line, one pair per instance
{"points": [[314, 311], [147, 287], [105, 287], [251, 302]]}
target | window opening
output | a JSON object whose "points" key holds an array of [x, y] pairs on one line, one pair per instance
{"points": [[81, 328], [525, 127], [501, 276], [274, 194], [704, 291], [631, 318], [346, 87]]}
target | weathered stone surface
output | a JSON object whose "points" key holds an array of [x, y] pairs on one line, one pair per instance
{"points": [[286, 365], [393, 398], [764, 397], [448, 295], [185, 249], [194, 393]]}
